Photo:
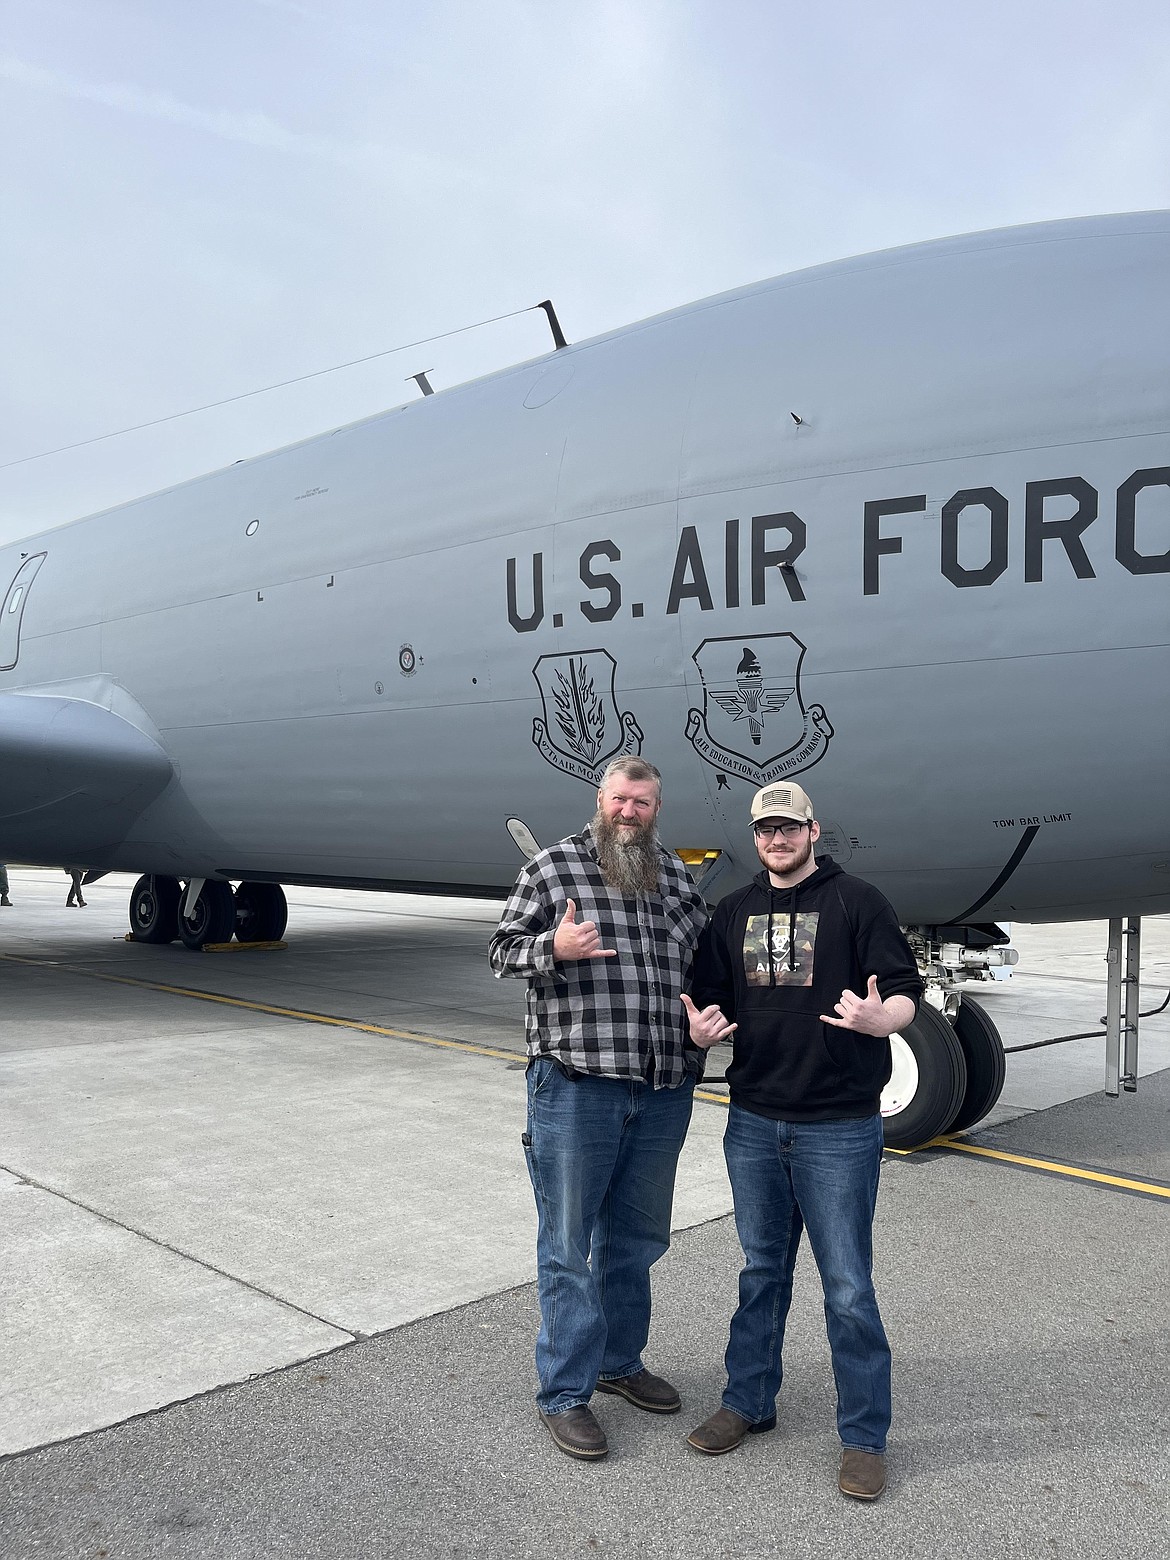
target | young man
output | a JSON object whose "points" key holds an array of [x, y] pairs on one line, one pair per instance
{"points": [[812, 967], [603, 926]]}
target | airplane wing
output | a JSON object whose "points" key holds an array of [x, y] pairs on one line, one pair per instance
{"points": [[74, 772]]}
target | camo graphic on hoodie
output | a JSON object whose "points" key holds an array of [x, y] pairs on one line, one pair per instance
{"points": [[779, 969]]}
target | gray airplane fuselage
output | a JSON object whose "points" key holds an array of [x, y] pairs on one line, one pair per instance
{"points": [[896, 527]]}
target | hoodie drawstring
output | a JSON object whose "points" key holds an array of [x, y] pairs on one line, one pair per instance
{"points": [[791, 933]]}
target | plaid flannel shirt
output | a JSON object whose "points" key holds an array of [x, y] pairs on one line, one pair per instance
{"points": [[621, 1017]]}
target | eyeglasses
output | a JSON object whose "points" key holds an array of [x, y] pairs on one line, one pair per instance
{"points": [[765, 831]]}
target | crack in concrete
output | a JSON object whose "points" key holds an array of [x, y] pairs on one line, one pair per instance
{"points": [[351, 1334]]}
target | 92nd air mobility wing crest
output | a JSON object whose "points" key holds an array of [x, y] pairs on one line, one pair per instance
{"points": [[753, 721], [582, 728]]}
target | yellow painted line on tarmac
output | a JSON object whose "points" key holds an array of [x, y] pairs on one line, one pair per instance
{"points": [[1055, 1167], [306, 1016], [1047, 1166], [1050, 1166], [267, 1007]]}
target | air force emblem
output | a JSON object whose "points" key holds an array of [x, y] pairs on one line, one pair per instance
{"points": [[582, 728], [753, 721]]}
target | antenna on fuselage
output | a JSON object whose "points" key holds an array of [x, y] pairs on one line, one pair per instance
{"points": [[553, 324], [422, 381]]}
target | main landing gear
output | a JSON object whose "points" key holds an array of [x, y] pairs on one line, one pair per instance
{"points": [[948, 1065], [163, 909]]}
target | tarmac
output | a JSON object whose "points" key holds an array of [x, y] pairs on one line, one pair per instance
{"points": [[266, 1263]]}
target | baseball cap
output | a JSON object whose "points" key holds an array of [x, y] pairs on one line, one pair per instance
{"points": [[781, 801]]}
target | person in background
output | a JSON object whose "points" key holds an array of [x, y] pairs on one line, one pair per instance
{"points": [[75, 896]]}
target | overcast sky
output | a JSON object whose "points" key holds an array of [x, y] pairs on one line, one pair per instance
{"points": [[203, 198]]}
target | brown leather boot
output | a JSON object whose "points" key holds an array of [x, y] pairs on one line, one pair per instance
{"points": [[862, 1474], [645, 1390], [576, 1433], [725, 1430]]}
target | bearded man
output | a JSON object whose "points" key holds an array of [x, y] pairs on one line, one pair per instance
{"points": [[603, 926]]}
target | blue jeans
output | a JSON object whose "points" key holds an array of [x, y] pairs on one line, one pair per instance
{"points": [[821, 1175], [602, 1158]]}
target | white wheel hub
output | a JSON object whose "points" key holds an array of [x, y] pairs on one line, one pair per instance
{"points": [[903, 1084]]}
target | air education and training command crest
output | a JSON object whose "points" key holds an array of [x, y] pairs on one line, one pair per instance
{"points": [[582, 727], [753, 722]]}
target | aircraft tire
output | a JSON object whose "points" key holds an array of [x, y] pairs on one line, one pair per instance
{"points": [[986, 1063], [213, 919], [261, 912], [154, 909], [928, 1083]]}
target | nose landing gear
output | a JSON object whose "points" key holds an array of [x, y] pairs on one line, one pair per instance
{"points": [[928, 1081], [948, 1065], [986, 1063], [945, 1076]]}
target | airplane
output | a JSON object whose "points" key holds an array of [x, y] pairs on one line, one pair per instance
{"points": [[896, 525]]}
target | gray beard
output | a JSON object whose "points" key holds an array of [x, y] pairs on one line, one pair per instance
{"points": [[628, 865]]}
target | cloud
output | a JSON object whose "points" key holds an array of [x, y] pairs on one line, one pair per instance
{"points": [[252, 128], [256, 129]]}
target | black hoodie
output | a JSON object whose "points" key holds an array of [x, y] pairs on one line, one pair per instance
{"points": [[775, 959]]}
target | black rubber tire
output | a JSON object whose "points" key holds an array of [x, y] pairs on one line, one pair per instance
{"points": [[261, 912], [213, 919], [942, 1082], [986, 1063], [154, 909]]}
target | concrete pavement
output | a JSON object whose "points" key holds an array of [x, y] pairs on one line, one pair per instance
{"points": [[207, 1208]]}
